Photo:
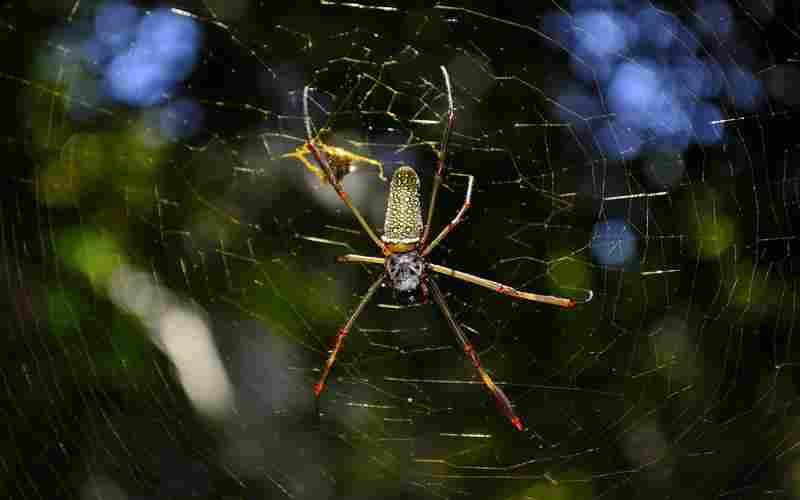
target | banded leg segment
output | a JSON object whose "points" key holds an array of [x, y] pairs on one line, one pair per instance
{"points": [[351, 257], [503, 403], [331, 176], [442, 156], [339, 342], [507, 290], [343, 195], [456, 220]]}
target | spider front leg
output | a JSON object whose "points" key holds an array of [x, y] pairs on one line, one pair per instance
{"points": [[339, 342], [337, 186], [331, 175], [441, 155], [503, 403]]}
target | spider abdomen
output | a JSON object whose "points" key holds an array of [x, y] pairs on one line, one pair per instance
{"points": [[403, 225]]}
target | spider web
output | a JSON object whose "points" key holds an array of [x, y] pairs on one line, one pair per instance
{"points": [[173, 290]]}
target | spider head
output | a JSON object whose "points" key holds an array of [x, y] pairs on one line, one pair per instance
{"points": [[407, 276]]}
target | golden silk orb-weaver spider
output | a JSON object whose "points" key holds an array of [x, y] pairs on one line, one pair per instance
{"points": [[405, 244]]}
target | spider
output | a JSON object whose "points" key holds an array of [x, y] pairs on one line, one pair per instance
{"points": [[405, 244], [340, 161]]}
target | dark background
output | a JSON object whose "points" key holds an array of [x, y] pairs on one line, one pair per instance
{"points": [[674, 384]]}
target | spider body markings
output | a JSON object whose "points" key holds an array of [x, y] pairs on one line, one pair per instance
{"points": [[402, 231], [407, 277], [405, 248]]}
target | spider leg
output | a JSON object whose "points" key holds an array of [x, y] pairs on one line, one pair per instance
{"points": [[456, 220], [442, 154], [503, 403], [351, 257], [300, 154], [339, 342], [507, 290], [331, 176]]}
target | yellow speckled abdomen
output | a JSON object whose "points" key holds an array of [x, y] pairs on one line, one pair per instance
{"points": [[403, 225]]}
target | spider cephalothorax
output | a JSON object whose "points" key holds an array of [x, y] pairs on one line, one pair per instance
{"points": [[407, 275]]}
